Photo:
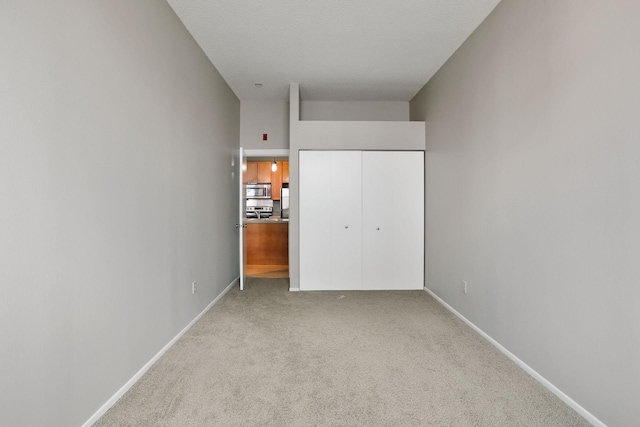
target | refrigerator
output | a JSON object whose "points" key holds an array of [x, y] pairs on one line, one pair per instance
{"points": [[284, 201]]}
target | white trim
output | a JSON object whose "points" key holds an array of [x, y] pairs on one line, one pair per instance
{"points": [[294, 289], [528, 369], [109, 403], [266, 152]]}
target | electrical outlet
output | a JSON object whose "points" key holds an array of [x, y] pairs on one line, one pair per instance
{"points": [[194, 287], [464, 283]]}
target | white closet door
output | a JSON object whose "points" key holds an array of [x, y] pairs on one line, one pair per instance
{"points": [[393, 220], [315, 230], [346, 220], [330, 220]]}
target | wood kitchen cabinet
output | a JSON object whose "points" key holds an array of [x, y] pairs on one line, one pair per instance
{"points": [[361, 220], [285, 171], [264, 171], [251, 173], [278, 178], [257, 172], [267, 243], [276, 182]]}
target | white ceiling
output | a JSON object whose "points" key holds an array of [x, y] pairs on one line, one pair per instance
{"points": [[338, 50]]}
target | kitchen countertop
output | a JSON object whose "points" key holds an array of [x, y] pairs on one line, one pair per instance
{"points": [[271, 220]]}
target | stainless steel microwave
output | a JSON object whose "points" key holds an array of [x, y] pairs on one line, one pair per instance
{"points": [[258, 191]]}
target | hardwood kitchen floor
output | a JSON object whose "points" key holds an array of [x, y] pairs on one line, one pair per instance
{"points": [[270, 271]]}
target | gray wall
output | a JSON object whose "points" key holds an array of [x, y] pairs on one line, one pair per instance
{"points": [[270, 117], [355, 110], [533, 192], [117, 138]]}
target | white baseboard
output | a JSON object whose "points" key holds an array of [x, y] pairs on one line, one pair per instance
{"points": [[294, 289], [104, 408], [528, 369]]}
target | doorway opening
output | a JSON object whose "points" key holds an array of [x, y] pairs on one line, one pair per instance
{"points": [[265, 201]]}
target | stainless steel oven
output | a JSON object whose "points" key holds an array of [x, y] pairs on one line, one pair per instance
{"points": [[257, 191], [259, 208]]}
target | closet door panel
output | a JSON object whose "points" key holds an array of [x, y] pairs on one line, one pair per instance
{"points": [[393, 209], [330, 220], [315, 230], [345, 213], [408, 242], [378, 220]]}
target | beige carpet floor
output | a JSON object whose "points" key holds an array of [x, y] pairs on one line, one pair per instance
{"points": [[269, 357]]}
